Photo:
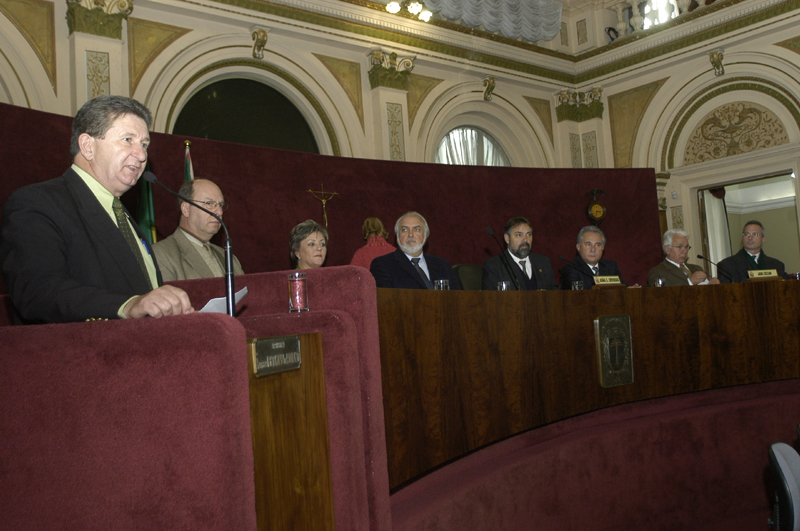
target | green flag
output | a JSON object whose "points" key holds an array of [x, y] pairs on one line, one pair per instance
{"points": [[145, 213], [188, 172]]}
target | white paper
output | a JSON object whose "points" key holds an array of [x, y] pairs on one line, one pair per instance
{"points": [[219, 304]]}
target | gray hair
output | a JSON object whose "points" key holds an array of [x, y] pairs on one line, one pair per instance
{"points": [[300, 232], [412, 213], [755, 222], [666, 241], [591, 228], [97, 115]]}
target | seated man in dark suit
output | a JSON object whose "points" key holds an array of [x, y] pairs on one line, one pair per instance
{"points": [[408, 267], [589, 262], [750, 257], [674, 271], [530, 271], [69, 250]]}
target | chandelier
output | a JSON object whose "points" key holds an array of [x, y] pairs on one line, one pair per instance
{"points": [[414, 7]]}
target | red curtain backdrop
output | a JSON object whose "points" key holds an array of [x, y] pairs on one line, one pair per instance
{"points": [[267, 190]]}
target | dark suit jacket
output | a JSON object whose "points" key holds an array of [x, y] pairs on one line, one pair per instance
{"points": [[673, 276], [494, 271], [577, 269], [395, 270], [735, 268], [179, 259], [63, 258]]}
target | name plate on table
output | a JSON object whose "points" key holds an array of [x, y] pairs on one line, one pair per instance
{"points": [[271, 355], [612, 337], [763, 274], [607, 282]]}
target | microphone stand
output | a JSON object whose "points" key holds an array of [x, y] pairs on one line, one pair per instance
{"points": [[504, 259], [229, 298], [719, 269]]}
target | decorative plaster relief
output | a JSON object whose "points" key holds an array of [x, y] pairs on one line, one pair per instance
{"points": [[564, 34], [545, 114], [146, 40], [35, 19], [348, 75], [625, 112], [98, 17], [579, 106], [260, 36], [733, 129], [583, 34], [418, 89], [389, 70], [676, 213], [575, 150], [394, 118], [590, 150], [97, 74], [489, 83]]}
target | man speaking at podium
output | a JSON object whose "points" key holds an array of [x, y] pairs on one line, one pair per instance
{"points": [[68, 249]]}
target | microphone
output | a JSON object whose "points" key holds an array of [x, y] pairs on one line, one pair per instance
{"points": [[719, 269], [504, 259], [229, 299]]}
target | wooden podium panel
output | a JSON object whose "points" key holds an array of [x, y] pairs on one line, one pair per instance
{"points": [[464, 369], [291, 447]]}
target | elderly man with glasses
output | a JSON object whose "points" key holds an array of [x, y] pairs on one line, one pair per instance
{"points": [[188, 252], [674, 271], [750, 257]]}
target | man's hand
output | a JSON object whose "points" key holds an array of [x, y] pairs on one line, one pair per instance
{"points": [[166, 300], [713, 280], [698, 277]]}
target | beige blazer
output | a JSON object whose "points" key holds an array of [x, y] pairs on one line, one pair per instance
{"points": [[179, 259]]}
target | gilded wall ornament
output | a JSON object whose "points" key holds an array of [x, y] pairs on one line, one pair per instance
{"points": [[733, 129], [389, 70], [260, 41], [489, 82], [716, 61], [98, 74], [98, 17], [579, 106]]}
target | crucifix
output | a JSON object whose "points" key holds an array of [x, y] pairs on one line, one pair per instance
{"points": [[323, 196]]}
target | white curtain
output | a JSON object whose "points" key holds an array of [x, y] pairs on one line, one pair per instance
{"points": [[719, 237], [469, 146], [533, 20]]}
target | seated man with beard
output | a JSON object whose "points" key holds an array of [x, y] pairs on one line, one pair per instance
{"points": [[531, 271], [408, 267]]}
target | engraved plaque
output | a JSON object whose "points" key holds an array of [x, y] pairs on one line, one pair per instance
{"points": [[763, 274], [272, 355], [612, 336]]}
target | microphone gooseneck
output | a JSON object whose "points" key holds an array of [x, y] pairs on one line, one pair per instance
{"points": [[229, 298], [504, 259], [719, 269]]}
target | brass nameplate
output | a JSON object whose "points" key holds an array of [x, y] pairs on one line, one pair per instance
{"points": [[610, 281], [612, 336], [272, 355], [763, 274]]}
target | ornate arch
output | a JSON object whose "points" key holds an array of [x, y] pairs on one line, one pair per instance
{"points": [[688, 113], [252, 64]]}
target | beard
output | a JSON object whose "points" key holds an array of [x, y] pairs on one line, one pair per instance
{"points": [[411, 249], [521, 252]]}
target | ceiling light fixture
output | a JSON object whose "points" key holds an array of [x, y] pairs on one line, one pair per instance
{"points": [[416, 8]]}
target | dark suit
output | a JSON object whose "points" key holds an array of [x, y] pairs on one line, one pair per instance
{"points": [[735, 268], [395, 270], [494, 271], [63, 258], [577, 269], [672, 275]]}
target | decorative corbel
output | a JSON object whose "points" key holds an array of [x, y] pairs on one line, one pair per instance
{"points": [[488, 82], [716, 61], [259, 34]]}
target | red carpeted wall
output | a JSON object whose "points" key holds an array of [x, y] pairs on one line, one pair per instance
{"points": [[267, 189]]}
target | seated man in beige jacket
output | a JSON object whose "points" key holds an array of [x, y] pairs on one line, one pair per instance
{"points": [[188, 253]]}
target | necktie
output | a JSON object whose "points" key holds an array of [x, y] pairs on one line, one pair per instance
{"points": [[686, 270], [524, 267], [421, 272], [595, 270], [127, 233]]}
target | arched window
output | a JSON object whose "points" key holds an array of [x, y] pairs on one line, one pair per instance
{"points": [[470, 146]]}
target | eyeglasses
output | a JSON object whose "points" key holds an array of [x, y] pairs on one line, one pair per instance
{"points": [[681, 247], [211, 205], [753, 234]]}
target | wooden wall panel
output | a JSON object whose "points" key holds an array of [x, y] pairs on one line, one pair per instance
{"points": [[462, 370]]}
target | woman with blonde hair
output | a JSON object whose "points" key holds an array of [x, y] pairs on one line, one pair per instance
{"points": [[375, 234]]}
